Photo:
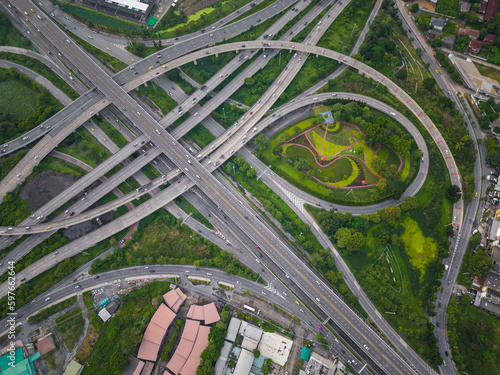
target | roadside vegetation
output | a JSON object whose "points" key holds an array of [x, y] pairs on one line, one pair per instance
{"points": [[44, 248], [112, 63], [189, 208], [49, 311], [24, 104], [70, 327], [166, 241], [474, 337], [413, 242], [175, 23], [105, 22], [83, 146], [123, 333], [200, 135], [43, 70], [33, 288], [112, 133], [10, 36], [156, 98], [291, 223]]}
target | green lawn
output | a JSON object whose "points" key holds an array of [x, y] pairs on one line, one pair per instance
{"points": [[346, 170], [70, 327]]}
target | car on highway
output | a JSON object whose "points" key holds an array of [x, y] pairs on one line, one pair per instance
{"points": [[77, 287], [109, 49], [118, 128], [47, 299], [366, 347], [258, 261], [71, 214], [104, 139], [475, 194], [92, 129], [442, 290], [179, 181], [48, 228]]}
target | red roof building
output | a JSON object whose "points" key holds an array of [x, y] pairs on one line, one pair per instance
{"points": [[194, 340], [478, 283], [491, 10], [45, 345], [482, 7], [489, 39], [208, 313], [155, 332], [474, 46], [473, 34]]}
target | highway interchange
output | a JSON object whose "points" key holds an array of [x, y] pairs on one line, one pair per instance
{"points": [[114, 90]]}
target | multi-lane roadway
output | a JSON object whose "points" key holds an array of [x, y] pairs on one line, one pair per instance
{"points": [[211, 187]]}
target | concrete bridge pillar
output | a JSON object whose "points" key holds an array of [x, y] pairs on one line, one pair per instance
{"points": [[216, 55], [195, 62]]}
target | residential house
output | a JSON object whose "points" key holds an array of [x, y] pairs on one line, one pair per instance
{"points": [[489, 39], [438, 23], [491, 10], [474, 46], [481, 9], [471, 33]]}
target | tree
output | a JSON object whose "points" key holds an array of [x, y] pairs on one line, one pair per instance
{"points": [[453, 193], [429, 83], [481, 263], [349, 239], [409, 203], [251, 173], [256, 353], [414, 8], [402, 74], [260, 141]]}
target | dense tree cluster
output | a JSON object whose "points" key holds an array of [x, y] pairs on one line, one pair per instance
{"points": [[378, 48]]}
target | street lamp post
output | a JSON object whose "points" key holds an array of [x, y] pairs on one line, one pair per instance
{"points": [[224, 113], [280, 60]]}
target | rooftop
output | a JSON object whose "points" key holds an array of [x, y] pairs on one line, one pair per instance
{"points": [[276, 347], [491, 10], [208, 313], [438, 22], [45, 345]]}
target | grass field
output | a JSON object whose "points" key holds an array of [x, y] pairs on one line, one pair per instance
{"points": [[421, 250], [158, 96], [70, 327], [17, 99]]}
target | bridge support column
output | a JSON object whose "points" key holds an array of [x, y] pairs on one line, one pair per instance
{"points": [[195, 62], [216, 55]]}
